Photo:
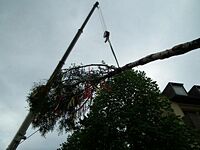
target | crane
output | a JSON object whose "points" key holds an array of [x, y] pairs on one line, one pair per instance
{"points": [[20, 135]]}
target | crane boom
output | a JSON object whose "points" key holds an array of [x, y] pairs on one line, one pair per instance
{"points": [[27, 121]]}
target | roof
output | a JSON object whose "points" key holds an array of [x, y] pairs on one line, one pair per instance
{"points": [[177, 93]]}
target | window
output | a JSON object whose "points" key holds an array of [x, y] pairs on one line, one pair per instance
{"points": [[179, 90]]}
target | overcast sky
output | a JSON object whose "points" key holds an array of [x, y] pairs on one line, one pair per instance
{"points": [[34, 34]]}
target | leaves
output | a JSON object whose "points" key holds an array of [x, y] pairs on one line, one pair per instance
{"points": [[131, 116], [67, 99], [48, 110]]}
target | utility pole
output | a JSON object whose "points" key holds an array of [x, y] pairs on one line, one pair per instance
{"points": [[26, 123]]}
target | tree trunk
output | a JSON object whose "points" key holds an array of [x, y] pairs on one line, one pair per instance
{"points": [[174, 51]]}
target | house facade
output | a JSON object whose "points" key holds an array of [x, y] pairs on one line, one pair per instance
{"points": [[185, 104]]}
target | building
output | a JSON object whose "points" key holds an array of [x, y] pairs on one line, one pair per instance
{"points": [[185, 104]]}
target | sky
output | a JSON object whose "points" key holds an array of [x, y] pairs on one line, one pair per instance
{"points": [[35, 34]]}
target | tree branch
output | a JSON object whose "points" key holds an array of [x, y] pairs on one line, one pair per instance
{"points": [[90, 65]]}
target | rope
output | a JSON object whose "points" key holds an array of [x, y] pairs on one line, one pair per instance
{"points": [[29, 136], [113, 52], [104, 27], [102, 20]]}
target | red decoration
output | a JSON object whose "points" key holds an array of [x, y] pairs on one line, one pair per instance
{"points": [[87, 94]]}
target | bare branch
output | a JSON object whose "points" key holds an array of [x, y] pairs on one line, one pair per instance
{"points": [[90, 65]]}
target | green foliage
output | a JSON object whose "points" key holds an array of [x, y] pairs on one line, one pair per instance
{"points": [[131, 114], [67, 99]]}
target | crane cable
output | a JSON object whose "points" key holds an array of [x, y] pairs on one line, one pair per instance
{"points": [[102, 20], [29, 136], [107, 34]]}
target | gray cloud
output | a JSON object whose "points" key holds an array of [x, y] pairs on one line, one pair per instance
{"points": [[35, 34]]}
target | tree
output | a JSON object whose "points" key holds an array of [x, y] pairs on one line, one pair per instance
{"points": [[61, 101], [65, 100], [130, 113]]}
